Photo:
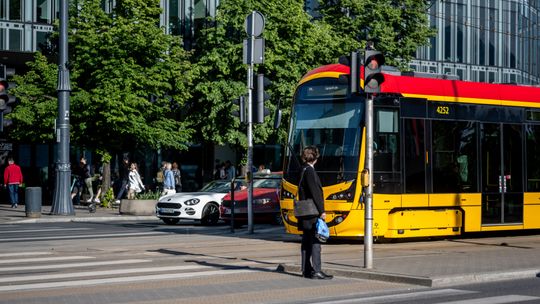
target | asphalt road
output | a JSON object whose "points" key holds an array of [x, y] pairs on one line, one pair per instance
{"points": [[146, 262]]}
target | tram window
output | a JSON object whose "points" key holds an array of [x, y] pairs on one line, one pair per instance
{"points": [[454, 156], [533, 158], [533, 115], [386, 160], [415, 155]]}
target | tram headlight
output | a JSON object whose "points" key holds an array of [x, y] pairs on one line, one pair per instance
{"points": [[347, 195], [286, 194]]}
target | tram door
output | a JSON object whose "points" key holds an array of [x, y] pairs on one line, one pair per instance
{"points": [[502, 173]]}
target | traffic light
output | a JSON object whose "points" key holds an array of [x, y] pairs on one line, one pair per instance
{"points": [[354, 61], [259, 96], [373, 78], [6, 102], [241, 113]]}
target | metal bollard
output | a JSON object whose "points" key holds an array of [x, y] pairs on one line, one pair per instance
{"points": [[32, 201]]}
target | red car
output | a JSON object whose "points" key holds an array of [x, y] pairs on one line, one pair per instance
{"points": [[265, 202]]}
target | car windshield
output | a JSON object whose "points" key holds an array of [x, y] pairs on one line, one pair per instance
{"points": [[217, 187], [270, 182]]}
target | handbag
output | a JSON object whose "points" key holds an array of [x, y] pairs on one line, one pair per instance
{"points": [[323, 233], [304, 208]]}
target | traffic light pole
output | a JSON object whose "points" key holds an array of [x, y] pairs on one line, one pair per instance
{"points": [[250, 106], [368, 215], [62, 204]]}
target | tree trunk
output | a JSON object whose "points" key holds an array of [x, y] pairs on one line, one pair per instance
{"points": [[106, 183]]}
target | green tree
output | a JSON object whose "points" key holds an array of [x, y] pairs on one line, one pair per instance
{"points": [[117, 61], [397, 27], [295, 43]]}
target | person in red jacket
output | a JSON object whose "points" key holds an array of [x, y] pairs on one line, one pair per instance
{"points": [[12, 179]]}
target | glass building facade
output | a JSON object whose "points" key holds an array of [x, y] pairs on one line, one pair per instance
{"points": [[494, 41]]}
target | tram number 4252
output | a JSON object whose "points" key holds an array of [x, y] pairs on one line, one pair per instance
{"points": [[443, 110]]}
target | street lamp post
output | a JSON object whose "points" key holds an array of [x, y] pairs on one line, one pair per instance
{"points": [[62, 204]]}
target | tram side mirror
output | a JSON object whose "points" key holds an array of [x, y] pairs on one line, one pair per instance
{"points": [[364, 178], [277, 118], [277, 115]]}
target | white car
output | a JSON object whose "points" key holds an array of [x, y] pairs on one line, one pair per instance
{"points": [[202, 205]]}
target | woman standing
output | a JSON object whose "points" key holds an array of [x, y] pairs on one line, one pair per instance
{"points": [[135, 183], [311, 187]]}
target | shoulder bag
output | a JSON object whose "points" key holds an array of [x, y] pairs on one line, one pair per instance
{"points": [[304, 208]]}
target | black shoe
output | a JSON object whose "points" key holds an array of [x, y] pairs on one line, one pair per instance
{"points": [[328, 276], [307, 275], [320, 276]]}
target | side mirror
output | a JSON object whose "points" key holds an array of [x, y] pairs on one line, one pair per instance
{"points": [[277, 115]]}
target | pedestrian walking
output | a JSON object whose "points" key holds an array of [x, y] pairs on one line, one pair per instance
{"points": [[135, 183], [123, 172], [13, 178], [87, 178], [310, 187], [168, 182], [177, 177]]}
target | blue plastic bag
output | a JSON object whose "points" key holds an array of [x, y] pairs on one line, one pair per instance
{"points": [[322, 231]]}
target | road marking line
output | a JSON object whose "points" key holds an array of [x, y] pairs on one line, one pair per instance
{"points": [[494, 300], [79, 283], [44, 230], [83, 236], [18, 254], [403, 296], [13, 261], [99, 273], [73, 265]]}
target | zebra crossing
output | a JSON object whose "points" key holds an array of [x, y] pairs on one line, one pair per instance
{"points": [[32, 272]]}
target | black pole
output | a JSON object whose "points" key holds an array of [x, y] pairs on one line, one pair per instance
{"points": [[62, 204], [233, 187]]}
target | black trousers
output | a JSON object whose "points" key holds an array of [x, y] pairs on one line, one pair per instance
{"points": [[311, 252]]}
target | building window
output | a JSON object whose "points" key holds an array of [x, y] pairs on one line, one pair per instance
{"points": [[43, 11], [15, 10], [15, 40]]}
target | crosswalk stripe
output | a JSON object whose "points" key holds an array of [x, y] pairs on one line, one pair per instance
{"points": [[132, 279], [66, 258], [99, 273], [44, 230], [73, 265], [30, 253], [494, 300], [402, 296], [83, 236]]}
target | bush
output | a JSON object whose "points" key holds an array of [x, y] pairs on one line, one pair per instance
{"points": [[148, 195]]}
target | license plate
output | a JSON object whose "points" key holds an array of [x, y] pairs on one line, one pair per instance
{"points": [[166, 210]]}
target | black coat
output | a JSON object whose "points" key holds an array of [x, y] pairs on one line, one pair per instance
{"points": [[311, 187]]}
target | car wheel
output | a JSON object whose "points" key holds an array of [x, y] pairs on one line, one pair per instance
{"points": [[210, 214], [170, 221], [278, 219]]}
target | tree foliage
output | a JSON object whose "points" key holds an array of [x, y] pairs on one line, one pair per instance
{"points": [[116, 62], [397, 27], [294, 44]]}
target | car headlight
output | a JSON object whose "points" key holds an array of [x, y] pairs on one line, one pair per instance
{"points": [[261, 201], [191, 202]]}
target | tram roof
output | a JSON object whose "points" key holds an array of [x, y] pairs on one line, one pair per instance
{"points": [[444, 90]]}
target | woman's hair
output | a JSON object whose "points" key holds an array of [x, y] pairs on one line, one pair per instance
{"points": [[310, 154]]}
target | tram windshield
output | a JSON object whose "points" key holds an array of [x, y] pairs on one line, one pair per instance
{"points": [[323, 116]]}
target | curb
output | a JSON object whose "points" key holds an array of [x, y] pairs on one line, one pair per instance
{"points": [[485, 277], [62, 219], [423, 281], [365, 274]]}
